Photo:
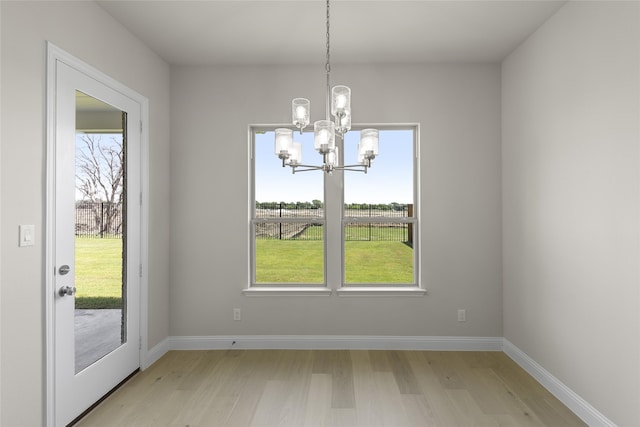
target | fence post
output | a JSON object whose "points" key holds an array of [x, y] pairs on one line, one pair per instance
{"points": [[369, 222], [410, 225], [101, 220], [280, 224]]}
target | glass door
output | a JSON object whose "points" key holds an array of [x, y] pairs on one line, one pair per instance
{"points": [[96, 240], [100, 230]]}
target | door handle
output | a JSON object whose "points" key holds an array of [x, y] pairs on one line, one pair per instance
{"points": [[67, 290]]}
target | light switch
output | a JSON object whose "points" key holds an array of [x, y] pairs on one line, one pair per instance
{"points": [[27, 235]]}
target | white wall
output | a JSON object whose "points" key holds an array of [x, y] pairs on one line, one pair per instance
{"points": [[86, 31], [571, 186], [458, 107]]}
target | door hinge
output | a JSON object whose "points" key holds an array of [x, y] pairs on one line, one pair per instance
{"points": [[140, 343], [141, 126], [140, 270], [140, 199]]}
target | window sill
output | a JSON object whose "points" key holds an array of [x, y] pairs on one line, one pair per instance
{"points": [[381, 291], [286, 291]]}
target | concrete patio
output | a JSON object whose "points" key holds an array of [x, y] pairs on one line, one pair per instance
{"points": [[97, 333]]}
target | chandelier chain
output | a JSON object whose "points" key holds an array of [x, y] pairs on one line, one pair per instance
{"points": [[328, 63]]}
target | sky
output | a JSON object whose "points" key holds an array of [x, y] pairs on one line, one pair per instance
{"points": [[390, 179], [106, 140]]}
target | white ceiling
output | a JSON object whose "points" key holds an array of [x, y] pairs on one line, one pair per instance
{"points": [[362, 31]]}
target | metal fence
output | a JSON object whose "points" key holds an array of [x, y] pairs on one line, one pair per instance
{"points": [[307, 210], [354, 231], [99, 220], [371, 231], [289, 231], [288, 210]]}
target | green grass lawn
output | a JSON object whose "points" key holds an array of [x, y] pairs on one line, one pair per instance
{"points": [[302, 261], [289, 261], [98, 273], [378, 262]]}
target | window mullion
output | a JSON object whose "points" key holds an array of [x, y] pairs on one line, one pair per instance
{"points": [[333, 185]]}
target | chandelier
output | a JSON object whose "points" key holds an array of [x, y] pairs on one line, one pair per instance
{"points": [[338, 105]]}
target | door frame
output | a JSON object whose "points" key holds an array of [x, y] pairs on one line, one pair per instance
{"points": [[55, 54]]}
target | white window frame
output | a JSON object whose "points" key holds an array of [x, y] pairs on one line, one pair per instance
{"points": [[409, 289], [333, 228]]}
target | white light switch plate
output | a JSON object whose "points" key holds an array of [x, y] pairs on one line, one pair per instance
{"points": [[27, 235]]}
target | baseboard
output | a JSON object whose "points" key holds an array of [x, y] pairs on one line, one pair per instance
{"points": [[334, 342], [573, 401], [319, 342], [155, 353]]}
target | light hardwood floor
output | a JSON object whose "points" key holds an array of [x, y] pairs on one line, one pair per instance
{"points": [[332, 388]]}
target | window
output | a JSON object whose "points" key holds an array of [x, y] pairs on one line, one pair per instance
{"points": [[347, 231], [288, 218], [379, 222]]}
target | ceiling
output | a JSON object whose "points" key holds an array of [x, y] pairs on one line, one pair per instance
{"points": [[208, 32], [86, 102]]}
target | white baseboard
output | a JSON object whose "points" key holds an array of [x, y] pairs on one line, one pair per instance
{"points": [[573, 401], [334, 342], [319, 342], [155, 353]]}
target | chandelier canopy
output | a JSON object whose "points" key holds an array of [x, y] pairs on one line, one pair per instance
{"points": [[338, 105]]}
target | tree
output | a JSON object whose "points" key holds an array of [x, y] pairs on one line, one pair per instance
{"points": [[100, 177]]}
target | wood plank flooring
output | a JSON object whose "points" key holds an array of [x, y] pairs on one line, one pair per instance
{"points": [[332, 388]]}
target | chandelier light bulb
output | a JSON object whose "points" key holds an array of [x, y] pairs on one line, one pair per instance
{"points": [[296, 154], [284, 142], [325, 136], [340, 101], [301, 110], [368, 146]]}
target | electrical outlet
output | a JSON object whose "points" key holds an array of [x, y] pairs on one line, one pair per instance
{"points": [[462, 315], [236, 314]]}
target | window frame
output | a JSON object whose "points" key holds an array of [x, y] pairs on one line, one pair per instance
{"points": [[381, 288], [254, 288], [333, 223]]}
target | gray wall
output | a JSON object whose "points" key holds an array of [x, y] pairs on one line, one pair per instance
{"points": [[86, 31], [458, 107], [571, 202]]}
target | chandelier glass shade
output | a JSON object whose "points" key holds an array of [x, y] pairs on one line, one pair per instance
{"points": [[325, 131]]}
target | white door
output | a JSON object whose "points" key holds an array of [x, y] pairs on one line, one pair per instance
{"points": [[95, 240]]}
